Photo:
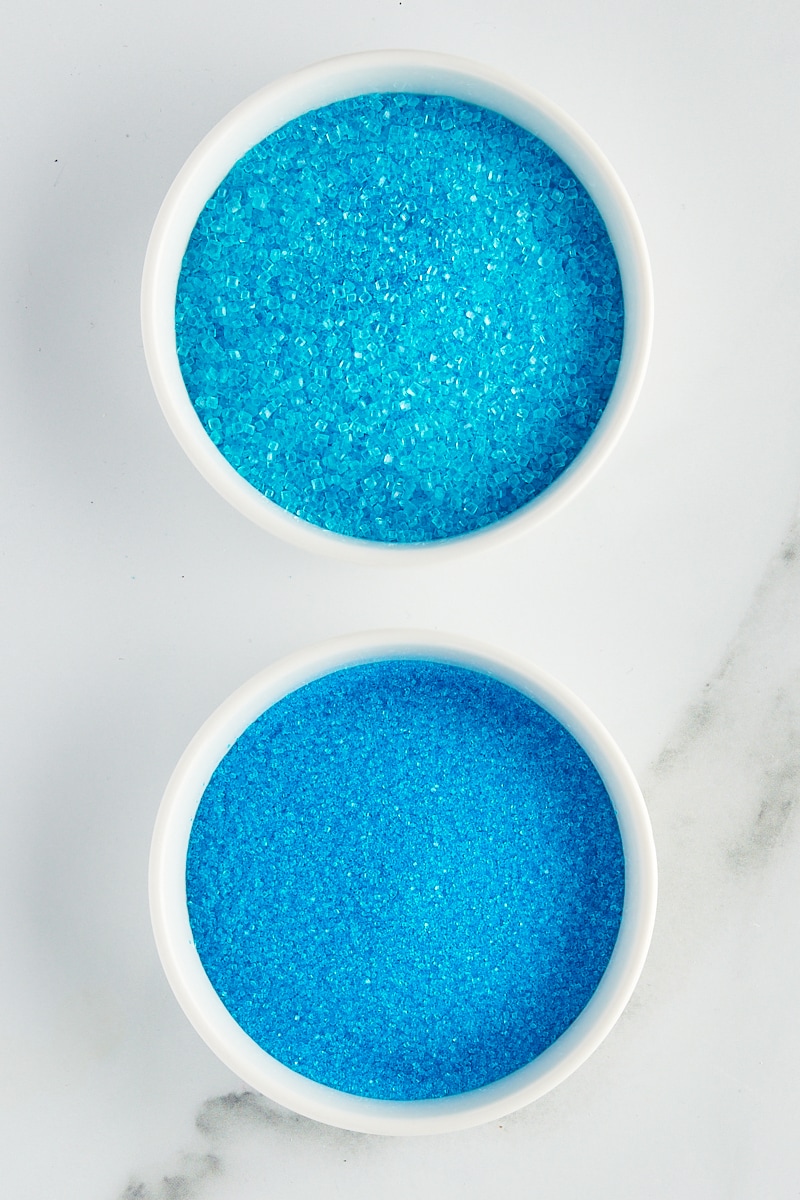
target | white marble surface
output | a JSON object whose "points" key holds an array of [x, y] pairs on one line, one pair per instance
{"points": [[134, 600]]}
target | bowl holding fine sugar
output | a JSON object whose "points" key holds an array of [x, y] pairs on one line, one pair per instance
{"points": [[401, 883], [396, 305]]}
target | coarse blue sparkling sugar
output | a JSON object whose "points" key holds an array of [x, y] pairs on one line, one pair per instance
{"points": [[400, 317], [405, 880]]}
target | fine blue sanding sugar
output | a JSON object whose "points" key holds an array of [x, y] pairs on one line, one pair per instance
{"points": [[405, 880], [400, 317]]}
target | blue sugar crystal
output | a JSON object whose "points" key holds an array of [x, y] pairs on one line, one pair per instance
{"points": [[400, 317], [405, 880]]}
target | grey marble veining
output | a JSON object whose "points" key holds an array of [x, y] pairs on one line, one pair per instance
{"points": [[731, 773], [724, 797], [134, 600]]}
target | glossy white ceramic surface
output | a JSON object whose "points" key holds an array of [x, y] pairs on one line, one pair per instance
{"points": [[202, 1005], [338, 79], [135, 599]]}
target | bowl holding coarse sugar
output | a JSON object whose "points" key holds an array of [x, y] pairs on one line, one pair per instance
{"points": [[402, 883], [397, 305]]}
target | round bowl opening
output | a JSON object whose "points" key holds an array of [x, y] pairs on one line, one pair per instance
{"points": [[178, 932], [413, 496]]}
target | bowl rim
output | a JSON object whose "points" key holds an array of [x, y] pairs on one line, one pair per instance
{"points": [[340, 78], [202, 1005]]}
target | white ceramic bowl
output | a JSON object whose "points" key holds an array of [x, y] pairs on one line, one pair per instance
{"points": [[218, 1028], [325, 83]]}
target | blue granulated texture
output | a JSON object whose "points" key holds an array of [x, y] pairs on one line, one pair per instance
{"points": [[400, 317], [405, 880]]}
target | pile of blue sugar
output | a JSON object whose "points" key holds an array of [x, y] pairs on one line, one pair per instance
{"points": [[405, 880], [400, 317]]}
